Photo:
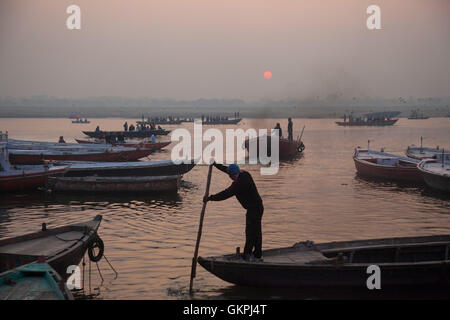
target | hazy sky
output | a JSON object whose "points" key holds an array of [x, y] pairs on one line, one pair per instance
{"points": [[188, 49]]}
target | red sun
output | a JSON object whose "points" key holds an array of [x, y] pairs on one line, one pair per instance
{"points": [[267, 75]]}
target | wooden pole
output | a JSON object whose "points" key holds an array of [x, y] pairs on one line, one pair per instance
{"points": [[199, 234]]}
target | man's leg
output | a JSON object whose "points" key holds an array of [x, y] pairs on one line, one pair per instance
{"points": [[258, 233]]}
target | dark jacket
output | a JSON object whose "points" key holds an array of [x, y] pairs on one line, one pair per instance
{"points": [[243, 188]]}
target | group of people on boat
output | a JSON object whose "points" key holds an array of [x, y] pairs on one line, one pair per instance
{"points": [[141, 127]]}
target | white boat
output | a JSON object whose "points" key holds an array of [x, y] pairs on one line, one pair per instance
{"points": [[436, 172], [17, 178], [421, 153]]}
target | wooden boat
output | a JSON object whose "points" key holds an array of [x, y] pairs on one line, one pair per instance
{"points": [[372, 119], [19, 178], [382, 165], [34, 281], [409, 261], [128, 169], [421, 153], [145, 145], [109, 155], [416, 115], [127, 134], [287, 149], [60, 246], [436, 172], [116, 184]]}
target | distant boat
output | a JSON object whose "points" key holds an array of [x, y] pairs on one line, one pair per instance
{"points": [[436, 172], [135, 184], [34, 281], [404, 262], [221, 121], [387, 166], [61, 246], [127, 134], [371, 119], [85, 121]]}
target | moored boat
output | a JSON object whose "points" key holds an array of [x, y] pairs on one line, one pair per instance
{"points": [[382, 165], [128, 169], [421, 153], [146, 145], [116, 184], [61, 246], [19, 178], [34, 281], [409, 261], [436, 172], [110, 155]]}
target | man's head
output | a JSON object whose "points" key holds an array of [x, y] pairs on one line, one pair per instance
{"points": [[233, 171]]}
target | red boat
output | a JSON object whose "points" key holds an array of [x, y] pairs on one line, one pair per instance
{"points": [[382, 165], [17, 178], [146, 145], [37, 156]]}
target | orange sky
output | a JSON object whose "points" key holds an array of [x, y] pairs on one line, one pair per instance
{"points": [[187, 49]]}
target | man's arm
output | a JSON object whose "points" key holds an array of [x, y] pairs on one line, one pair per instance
{"points": [[223, 195], [221, 167]]}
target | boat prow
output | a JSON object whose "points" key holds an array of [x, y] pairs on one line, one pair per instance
{"points": [[60, 246], [34, 281]]}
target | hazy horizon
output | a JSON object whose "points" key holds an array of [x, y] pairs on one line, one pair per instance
{"points": [[186, 50]]}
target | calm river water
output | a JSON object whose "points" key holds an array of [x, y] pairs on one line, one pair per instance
{"points": [[150, 239]]}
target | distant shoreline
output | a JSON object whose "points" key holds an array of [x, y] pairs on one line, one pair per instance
{"points": [[256, 112]]}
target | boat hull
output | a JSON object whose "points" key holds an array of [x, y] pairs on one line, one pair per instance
{"points": [[69, 254], [377, 123], [115, 156], [116, 184], [27, 181], [437, 179], [144, 169], [421, 263], [367, 169], [151, 146], [287, 149]]}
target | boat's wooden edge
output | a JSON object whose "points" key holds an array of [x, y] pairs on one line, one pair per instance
{"points": [[83, 226], [346, 246]]}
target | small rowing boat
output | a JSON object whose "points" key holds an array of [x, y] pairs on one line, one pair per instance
{"points": [[436, 172], [116, 184], [409, 261], [128, 169], [61, 246], [34, 281], [382, 165]]}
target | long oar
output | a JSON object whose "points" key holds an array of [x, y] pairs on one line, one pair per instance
{"points": [[199, 234]]}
